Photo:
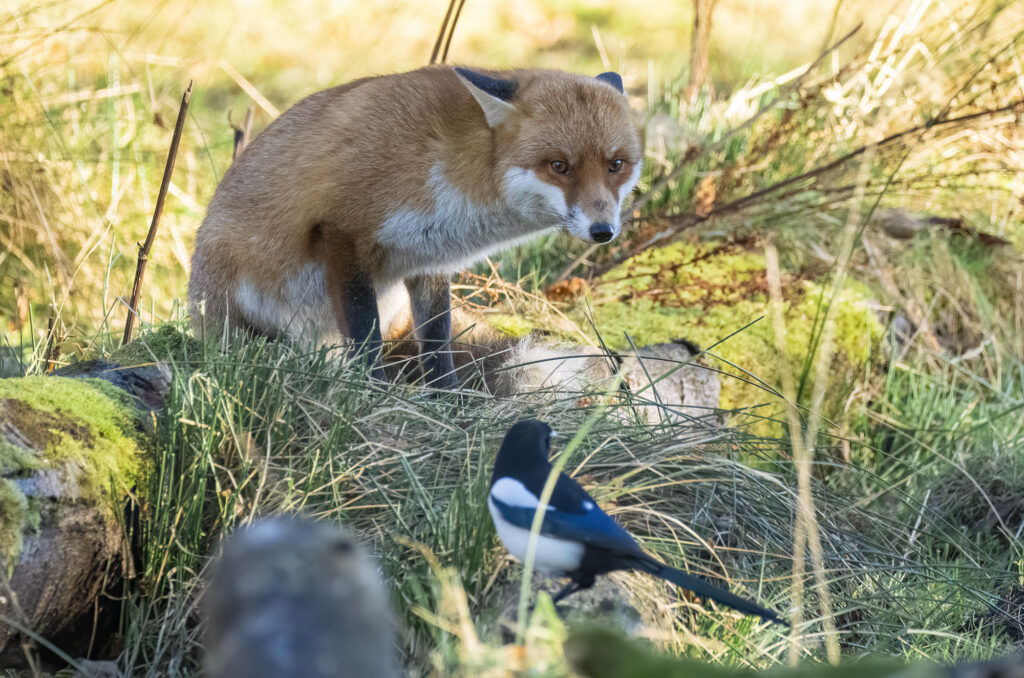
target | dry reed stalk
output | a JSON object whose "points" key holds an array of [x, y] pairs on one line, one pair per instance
{"points": [[446, 32], [806, 534], [140, 269]]}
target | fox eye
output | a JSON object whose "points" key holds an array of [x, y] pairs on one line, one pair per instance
{"points": [[614, 166], [560, 166]]}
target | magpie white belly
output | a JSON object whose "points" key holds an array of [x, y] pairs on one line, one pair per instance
{"points": [[553, 556]]}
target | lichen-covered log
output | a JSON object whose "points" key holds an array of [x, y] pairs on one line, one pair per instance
{"points": [[69, 457]]}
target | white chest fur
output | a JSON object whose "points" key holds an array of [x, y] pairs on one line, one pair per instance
{"points": [[459, 232], [301, 307]]}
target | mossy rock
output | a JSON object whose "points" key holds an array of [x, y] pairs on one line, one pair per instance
{"points": [[70, 453], [167, 343], [706, 292]]}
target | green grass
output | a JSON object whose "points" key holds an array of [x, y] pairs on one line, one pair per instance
{"points": [[260, 428]]}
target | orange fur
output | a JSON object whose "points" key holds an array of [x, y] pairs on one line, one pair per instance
{"points": [[396, 176]]}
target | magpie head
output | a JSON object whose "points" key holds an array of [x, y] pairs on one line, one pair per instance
{"points": [[526, 447]]}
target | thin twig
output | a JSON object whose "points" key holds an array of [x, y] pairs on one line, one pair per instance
{"points": [[52, 352], [140, 269], [441, 33], [896, 136], [249, 88], [807, 534], [242, 135], [824, 347], [451, 31]]}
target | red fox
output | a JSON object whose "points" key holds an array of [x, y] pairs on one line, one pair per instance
{"points": [[398, 181]]}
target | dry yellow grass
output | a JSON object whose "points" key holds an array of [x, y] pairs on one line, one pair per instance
{"points": [[91, 89]]}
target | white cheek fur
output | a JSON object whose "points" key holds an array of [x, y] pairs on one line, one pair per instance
{"points": [[527, 192], [630, 184], [578, 224]]}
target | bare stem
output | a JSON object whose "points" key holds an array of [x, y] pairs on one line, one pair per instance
{"points": [[242, 135], [441, 33], [144, 249]]}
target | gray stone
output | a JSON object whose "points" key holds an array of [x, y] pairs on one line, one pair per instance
{"points": [[606, 603], [669, 386]]}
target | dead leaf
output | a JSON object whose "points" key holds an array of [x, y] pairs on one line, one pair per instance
{"points": [[567, 290], [706, 196]]}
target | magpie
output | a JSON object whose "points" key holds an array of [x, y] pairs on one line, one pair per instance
{"points": [[577, 539]]}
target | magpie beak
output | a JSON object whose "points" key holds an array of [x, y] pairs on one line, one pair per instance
{"points": [[577, 539]]}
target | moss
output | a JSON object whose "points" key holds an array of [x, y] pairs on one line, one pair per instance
{"points": [[18, 514], [166, 343], [33, 518], [84, 422], [14, 459], [14, 518], [511, 325], [706, 292]]}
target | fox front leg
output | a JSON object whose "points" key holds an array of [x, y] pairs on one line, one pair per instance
{"points": [[355, 305], [431, 314]]}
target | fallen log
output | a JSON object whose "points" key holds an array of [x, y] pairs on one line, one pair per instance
{"points": [[71, 452]]}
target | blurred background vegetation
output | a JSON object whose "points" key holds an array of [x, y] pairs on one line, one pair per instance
{"points": [[885, 175], [90, 91]]}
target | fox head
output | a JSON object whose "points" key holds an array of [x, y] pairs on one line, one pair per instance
{"points": [[567, 146]]}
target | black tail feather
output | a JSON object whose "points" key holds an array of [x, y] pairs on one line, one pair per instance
{"points": [[710, 591]]}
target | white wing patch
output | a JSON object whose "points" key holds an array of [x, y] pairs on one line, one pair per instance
{"points": [[513, 493]]}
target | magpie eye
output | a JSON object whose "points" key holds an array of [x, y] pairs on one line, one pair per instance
{"points": [[614, 166], [560, 166]]}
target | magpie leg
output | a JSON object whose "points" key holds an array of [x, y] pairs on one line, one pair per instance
{"points": [[567, 590]]}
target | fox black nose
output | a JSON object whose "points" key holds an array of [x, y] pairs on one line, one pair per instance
{"points": [[601, 232]]}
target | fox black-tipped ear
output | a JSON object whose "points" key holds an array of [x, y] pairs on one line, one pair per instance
{"points": [[496, 87], [493, 94], [613, 79]]}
